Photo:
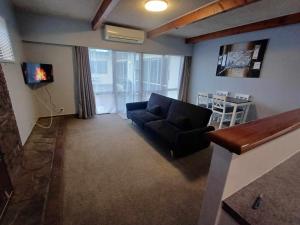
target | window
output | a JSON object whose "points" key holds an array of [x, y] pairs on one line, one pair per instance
{"points": [[98, 61], [161, 74], [6, 52], [121, 77]]}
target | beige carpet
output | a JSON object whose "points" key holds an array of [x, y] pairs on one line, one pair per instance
{"points": [[113, 175]]}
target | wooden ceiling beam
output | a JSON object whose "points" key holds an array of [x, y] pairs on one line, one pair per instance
{"points": [[103, 11], [206, 11], [271, 23]]}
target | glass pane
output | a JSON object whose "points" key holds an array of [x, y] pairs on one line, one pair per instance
{"points": [[174, 71], [161, 74], [102, 79], [127, 79], [152, 75], [117, 78]]}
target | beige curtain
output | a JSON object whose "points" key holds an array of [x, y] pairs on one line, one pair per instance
{"points": [[86, 99], [185, 79]]}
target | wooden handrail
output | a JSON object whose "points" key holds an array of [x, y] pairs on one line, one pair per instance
{"points": [[242, 138]]}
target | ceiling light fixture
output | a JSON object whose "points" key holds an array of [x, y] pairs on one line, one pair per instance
{"points": [[156, 5]]}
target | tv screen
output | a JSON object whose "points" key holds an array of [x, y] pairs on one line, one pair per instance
{"points": [[37, 73]]}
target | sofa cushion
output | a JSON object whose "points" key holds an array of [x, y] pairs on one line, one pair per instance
{"points": [[228, 109], [198, 116], [163, 101], [164, 129], [143, 116], [182, 122], [155, 109]]}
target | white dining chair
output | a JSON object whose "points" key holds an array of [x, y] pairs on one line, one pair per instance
{"points": [[242, 96], [219, 110], [222, 93], [241, 112], [204, 100]]}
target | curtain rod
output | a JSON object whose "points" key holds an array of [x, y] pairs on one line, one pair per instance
{"points": [[47, 43]]}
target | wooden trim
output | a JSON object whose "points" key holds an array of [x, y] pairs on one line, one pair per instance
{"points": [[2, 213], [242, 138], [234, 214], [62, 115], [201, 13], [54, 200], [103, 11], [271, 23]]}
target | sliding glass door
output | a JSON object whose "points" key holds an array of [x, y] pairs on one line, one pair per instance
{"points": [[161, 74], [121, 77], [127, 78], [102, 80]]}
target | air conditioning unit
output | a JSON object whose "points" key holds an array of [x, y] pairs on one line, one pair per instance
{"points": [[121, 34]]}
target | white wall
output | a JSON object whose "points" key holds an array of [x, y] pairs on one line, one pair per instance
{"points": [[20, 94], [62, 89], [229, 173], [47, 29], [49, 40], [276, 90]]}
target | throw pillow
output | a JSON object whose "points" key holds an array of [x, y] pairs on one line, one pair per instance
{"points": [[181, 122], [155, 109]]}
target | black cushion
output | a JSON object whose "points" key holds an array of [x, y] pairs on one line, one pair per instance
{"points": [[180, 121], [155, 109], [206, 106], [164, 129], [228, 109], [198, 116], [143, 116], [163, 101]]}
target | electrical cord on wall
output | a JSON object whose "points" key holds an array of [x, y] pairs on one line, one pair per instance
{"points": [[52, 105], [47, 107], [57, 109]]}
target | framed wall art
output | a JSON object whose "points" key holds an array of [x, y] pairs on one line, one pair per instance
{"points": [[241, 59]]}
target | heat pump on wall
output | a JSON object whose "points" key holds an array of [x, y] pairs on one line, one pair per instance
{"points": [[6, 52], [121, 34]]}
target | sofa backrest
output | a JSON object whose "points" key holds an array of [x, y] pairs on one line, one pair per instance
{"points": [[198, 116], [163, 101]]}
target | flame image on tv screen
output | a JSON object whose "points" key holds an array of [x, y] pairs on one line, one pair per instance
{"points": [[40, 74], [37, 73]]}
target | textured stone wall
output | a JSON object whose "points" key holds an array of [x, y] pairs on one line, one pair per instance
{"points": [[10, 142]]}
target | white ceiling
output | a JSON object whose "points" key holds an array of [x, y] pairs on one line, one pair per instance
{"points": [[132, 13], [263, 10], [74, 9]]}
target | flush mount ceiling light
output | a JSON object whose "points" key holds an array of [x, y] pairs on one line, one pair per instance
{"points": [[156, 5]]}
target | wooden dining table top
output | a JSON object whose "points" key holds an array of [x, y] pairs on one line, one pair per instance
{"points": [[234, 100]]}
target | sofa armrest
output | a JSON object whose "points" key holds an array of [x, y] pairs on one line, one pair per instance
{"points": [[136, 105], [192, 139], [193, 134]]}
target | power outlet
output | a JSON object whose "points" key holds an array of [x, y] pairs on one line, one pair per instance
{"points": [[61, 109]]}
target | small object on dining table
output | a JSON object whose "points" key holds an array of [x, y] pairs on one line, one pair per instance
{"points": [[257, 202]]}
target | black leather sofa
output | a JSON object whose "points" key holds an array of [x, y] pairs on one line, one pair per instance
{"points": [[182, 126]]}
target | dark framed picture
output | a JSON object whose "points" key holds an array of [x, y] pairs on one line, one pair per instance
{"points": [[241, 59]]}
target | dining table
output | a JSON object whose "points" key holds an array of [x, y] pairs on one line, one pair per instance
{"points": [[236, 103]]}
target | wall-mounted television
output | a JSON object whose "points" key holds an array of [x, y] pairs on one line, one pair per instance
{"points": [[35, 73]]}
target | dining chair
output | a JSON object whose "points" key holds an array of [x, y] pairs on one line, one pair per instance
{"points": [[222, 93], [242, 96], [241, 111], [219, 109], [204, 100]]}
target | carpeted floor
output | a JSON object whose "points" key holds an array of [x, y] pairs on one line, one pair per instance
{"points": [[113, 175]]}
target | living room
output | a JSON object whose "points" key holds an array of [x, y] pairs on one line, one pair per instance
{"points": [[75, 151]]}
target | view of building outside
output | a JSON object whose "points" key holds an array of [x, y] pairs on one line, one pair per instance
{"points": [[161, 74], [121, 77]]}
